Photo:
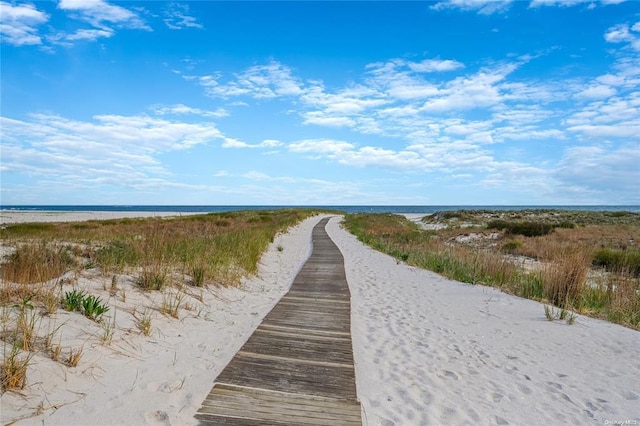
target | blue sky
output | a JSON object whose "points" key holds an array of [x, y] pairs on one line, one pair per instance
{"points": [[333, 103]]}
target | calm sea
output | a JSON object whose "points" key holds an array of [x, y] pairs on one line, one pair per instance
{"points": [[347, 209]]}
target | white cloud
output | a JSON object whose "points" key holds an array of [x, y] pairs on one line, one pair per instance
{"points": [[177, 17], [321, 146], [626, 130], [478, 91], [618, 34], [84, 34], [234, 143], [19, 24], [563, 3], [270, 143], [569, 3], [599, 91], [99, 12], [612, 173], [261, 81], [181, 109], [621, 33], [109, 149], [435, 65], [319, 118], [484, 7]]}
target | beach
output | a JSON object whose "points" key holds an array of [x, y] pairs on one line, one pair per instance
{"points": [[24, 216], [427, 350]]}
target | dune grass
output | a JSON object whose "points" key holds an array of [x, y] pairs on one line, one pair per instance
{"points": [[165, 255], [220, 247], [566, 254]]}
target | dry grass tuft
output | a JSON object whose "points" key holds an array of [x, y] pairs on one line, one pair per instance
{"points": [[13, 370], [563, 280]]}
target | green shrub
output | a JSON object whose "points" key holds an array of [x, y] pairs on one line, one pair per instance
{"points": [[511, 246], [618, 260], [116, 255], [527, 229]]}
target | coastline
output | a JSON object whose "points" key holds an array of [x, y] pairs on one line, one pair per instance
{"points": [[421, 343], [8, 217]]}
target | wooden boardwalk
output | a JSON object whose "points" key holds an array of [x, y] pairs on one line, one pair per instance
{"points": [[297, 367]]}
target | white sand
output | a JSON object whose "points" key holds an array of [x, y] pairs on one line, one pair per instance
{"points": [[433, 351], [22, 216], [160, 379], [427, 351]]}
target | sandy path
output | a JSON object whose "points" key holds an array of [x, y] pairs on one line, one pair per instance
{"points": [[433, 351]]}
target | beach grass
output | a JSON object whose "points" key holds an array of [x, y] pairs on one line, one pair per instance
{"points": [[168, 259], [214, 248], [583, 261]]}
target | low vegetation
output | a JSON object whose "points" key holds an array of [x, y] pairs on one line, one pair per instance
{"points": [[169, 259], [587, 262]]}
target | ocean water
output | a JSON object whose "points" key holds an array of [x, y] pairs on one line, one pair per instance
{"points": [[348, 209]]}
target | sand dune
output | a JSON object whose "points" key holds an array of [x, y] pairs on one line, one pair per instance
{"points": [[161, 379], [427, 350]]}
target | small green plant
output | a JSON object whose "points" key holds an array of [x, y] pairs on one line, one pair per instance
{"points": [[93, 308], [197, 276], [72, 300], [553, 314], [108, 330], [144, 322], [550, 313], [280, 248], [171, 303]]}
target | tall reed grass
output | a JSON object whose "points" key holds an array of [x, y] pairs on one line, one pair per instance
{"points": [[567, 255]]}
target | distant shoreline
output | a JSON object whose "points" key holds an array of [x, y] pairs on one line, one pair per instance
{"points": [[424, 209], [24, 214]]}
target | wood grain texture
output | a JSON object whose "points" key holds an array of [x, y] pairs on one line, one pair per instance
{"points": [[297, 367]]}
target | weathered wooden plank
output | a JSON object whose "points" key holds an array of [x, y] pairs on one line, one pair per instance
{"points": [[295, 361], [305, 332], [279, 407], [338, 351], [277, 375], [297, 368]]}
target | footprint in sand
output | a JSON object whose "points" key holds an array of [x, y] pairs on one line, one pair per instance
{"points": [[524, 389], [157, 417], [450, 374]]}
